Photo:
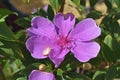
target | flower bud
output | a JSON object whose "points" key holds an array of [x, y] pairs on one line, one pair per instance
{"points": [[42, 67], [87, 66]]}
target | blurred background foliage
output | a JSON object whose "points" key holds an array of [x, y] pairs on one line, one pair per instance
{"points": [[16, 62]]}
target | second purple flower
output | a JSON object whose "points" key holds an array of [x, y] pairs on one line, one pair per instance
{"points": [[55, 40]]}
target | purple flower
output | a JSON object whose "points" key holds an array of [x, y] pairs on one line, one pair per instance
{"points": [[40, 75], [45, 8], [55, 40]]}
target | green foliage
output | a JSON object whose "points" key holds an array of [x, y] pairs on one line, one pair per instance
{"points": [[56, 4], [3, 14], [26, 1], [6, 33], [94, 14], [77, 2]]}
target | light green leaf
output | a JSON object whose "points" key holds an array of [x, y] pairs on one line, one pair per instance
{"points": [[108, 41], [56, 4], [99, 74], [3, 14]]}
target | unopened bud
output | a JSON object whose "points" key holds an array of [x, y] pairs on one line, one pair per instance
{"points": [[42, 67], [87, 66]]}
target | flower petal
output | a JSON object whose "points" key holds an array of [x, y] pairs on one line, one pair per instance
{"points": [[40, 75], [37, 46], [43, 27], [85, 30], [84, 51], [64, 23], [57, 55]]}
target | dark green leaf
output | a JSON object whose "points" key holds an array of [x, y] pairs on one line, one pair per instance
{"points": [[69, 63], [117, 16], [108, 4], [75, 76], [6, 33], [50, 13], [82, 2], [94, 14], [23, 22], [116, 48], [111, 73], [10, 50], [108, 54], [93, 2]]}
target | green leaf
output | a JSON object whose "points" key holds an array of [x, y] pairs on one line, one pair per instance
{"points": [[50, 13], [82, 2], [108, 41], [12, 66], [6, 33], [111, 48], [108, 4], [99, 74], [22, 78], [56, 4], [107, 19], [10, 49], [94, 14], [1, 44], [118, 3], [7, 70], [3, 14], [75, 76], [116, 48], [69, 63], [21, 35], [77, 2], [23, 22], [117, 16], [118, 70], [47, 14], [60, 73], [111, 73], [93, 2], [108, 54]]}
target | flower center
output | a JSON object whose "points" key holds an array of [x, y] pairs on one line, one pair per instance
{"points": [[62, 41]]}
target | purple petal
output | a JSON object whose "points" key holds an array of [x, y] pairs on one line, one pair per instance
{"points": [[64, 23], [84, 51], [85, 30], [37, 46], [34, 10], [57, 55], [40, 75], [45, 8], [42, 27]]}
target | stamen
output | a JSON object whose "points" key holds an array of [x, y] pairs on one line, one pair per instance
{"points": [[46, 51]]}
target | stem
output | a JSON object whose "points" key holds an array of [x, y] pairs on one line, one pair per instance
{"points": [[2, 74], [82, 71], [62, 6]]}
